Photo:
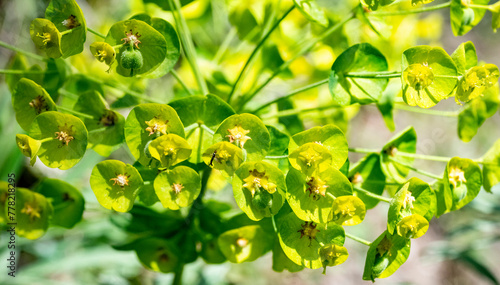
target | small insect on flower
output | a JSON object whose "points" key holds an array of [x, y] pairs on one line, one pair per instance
{"points": [[213, 157], [121, 180], [39, 104], [71, 22]]}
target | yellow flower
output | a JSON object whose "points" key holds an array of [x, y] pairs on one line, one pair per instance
{"points": [[157, 126], [456, 176], [257, 180], [239, 135]]}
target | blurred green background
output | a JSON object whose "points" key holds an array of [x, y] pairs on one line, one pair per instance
{"points": [[460, 248]]}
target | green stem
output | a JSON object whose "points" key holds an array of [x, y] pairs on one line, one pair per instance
{"points": [[299, 111], [420, 171], [197, 204], [237, 84], [293, 93], [21, 51], [423, 156], [181, 82], [83, 115], [46, 140], [331, 195], [413, 11], [225, 44], [191, 127], [276, 157], [203, 126], [97, 130], [17, 71], [125, 89], [200, 143], [452, 114], [96, 33], [363, 150], [377, 74], [302, 51], [68, 93], [372, 195], [188, 45], [147, 182], [358, 239], [482, 7], [178, 275]]}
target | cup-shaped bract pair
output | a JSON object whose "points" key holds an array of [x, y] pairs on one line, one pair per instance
{"points": [[349, 79], [170, 149], [259, 189], [32, 214], [30, 100], [245, 131], [142, 49], [429, 75], [245, 244], [144, 124], [224, 156], [46, 36], [106, 125], [63, 140], [368, 175], [317, 149], [411, 209], [491, 168], [310, 244], [103, 52], [115, 184], [461, 183], [385, 255], [178, 187], [28, 146], [463, 17], [393, 165]]}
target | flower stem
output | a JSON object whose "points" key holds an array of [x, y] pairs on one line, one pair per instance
{"points": [[203, 126], [237, 84], [276, 157], [188, 45], [363, 150], [358, 239], [481, 7], [379, 74], [372, 195], [299, 111], [420, 171], [413, 11], [423, 156], [96, 33], [191, 127], [293, 93], [181, 82], [17, 71], [83, 115], [178, 275], [21, 51], [452, 114], [46, 139], [302, 51]]}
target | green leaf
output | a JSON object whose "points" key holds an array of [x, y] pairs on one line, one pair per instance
{"points": [[209, 110], [304, 242], [164, 4], [157, 254], [65, 139], [386, 105], [414, 198], [67, 15], [115, 184], [67, 201], [475, 81], [462, 181], [329, 136], [412, 226], [32, 214], [312, 11], [145, 123], [405, 141], [385, 255], [45, 36], [173, 44], [109, 123], [465, 57], [310, 197], [6, 190], [29, 100], [348, 211], [145, 221], [374, 4], [464, 18], [429, 76], [475, 113], [55, 77], [279, 141], [282, 262], [170, 149], [310, 157], [246, 131], [367, 174], [259, 189], [495, 16], [491, 167], [152, 45], [19, 62], [178, 187], [245, 244], [211, 253], [223, 156], [358, 59]]}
